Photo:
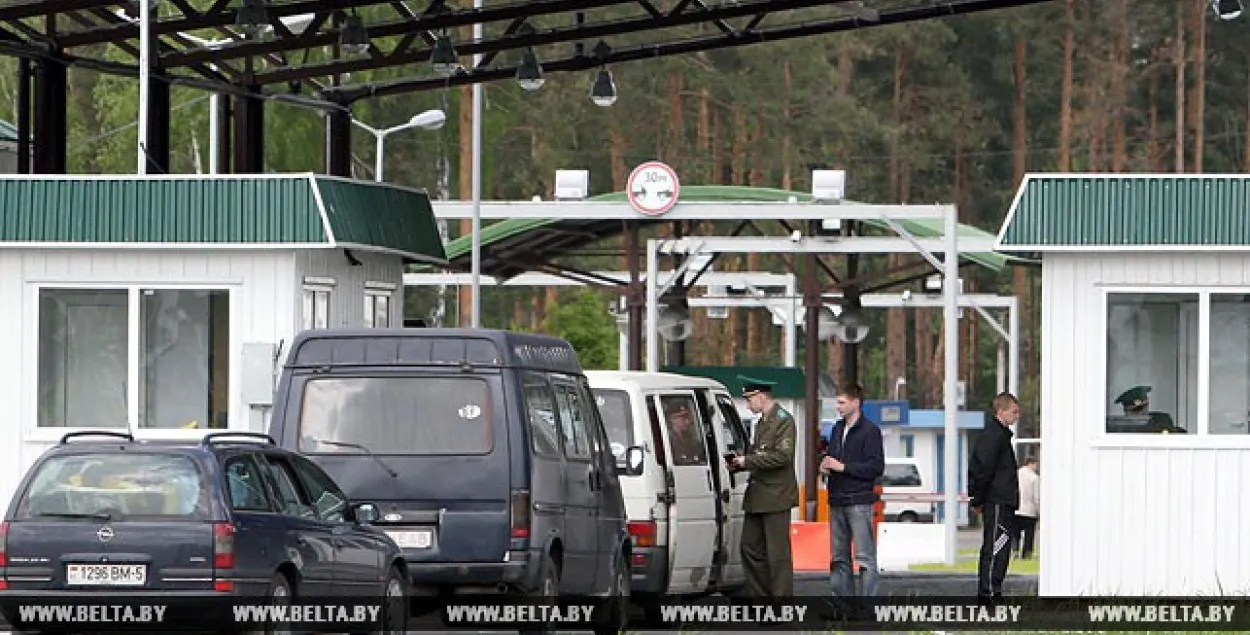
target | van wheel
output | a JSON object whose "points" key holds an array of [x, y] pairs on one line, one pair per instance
{"points": [[548, 587], [394, 605], [616, 610], [279, 594], [908, 517]]}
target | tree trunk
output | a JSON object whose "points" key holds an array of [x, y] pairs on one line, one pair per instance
{"points": [[1119, 91], [758, 321], [738, 154], [465, 302], [705, 137], [1154, 151], [896, 319], [787, 149], [1245, 155], [1065, 90], [676, 124], [1200, 82], [718, 148], [1179, 60]]}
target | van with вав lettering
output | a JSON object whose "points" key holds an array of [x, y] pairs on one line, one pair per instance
{"points": [[685, 507], [482, 450]]}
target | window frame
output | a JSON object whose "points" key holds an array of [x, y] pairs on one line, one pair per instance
{"points": [[569, 386], [309, 289], [373, 291], [1195, 439], [134, 325]]}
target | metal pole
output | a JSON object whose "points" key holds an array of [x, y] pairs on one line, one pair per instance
{"points": [[379, 158], [214, 129], [950, 328], [791, 327], [1013, 347], [653, 309], [476, 264], [145, 69], [1001, 367]]}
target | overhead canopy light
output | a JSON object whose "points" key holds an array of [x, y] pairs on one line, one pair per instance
{"points": [[603, 91], [252, 17], [1227, 9], [354, 39], [444, 58]]}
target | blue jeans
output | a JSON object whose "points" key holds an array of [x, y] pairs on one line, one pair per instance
{"points": [[847, 524]]}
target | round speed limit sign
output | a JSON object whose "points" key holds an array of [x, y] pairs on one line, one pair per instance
{"points": [[653, 188]]}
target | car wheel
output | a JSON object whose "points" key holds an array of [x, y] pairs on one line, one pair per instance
{"points": [[548, 587], [908, 517], [394, 605], [279, 594], [616, 611]]}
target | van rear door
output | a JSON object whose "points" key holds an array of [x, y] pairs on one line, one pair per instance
{"points": [[430, 450]]}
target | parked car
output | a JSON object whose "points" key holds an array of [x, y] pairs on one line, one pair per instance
{"points": [[483, 450], [902, 476], [102, 514], [685, 508]]}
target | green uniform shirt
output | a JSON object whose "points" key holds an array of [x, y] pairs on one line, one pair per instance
{"points": [[773, 486]]}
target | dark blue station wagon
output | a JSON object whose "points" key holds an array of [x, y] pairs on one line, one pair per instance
{"points": [[102, 514]]}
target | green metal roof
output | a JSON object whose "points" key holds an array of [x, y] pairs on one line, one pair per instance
{"points": [[575, 233], [287, 210], [789, 382], [1068, 212]]}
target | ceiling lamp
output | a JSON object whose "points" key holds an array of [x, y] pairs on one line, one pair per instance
{"points": [[444, 58], [529, 75], [1227, 9], [603, 91], [252, 17], [354, 39]]}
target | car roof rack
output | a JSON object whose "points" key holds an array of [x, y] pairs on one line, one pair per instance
{"points": [[254, 436], [98, 433]]}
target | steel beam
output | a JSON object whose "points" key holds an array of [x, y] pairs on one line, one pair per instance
{"points": [[51, 122], [694, 210], [338, 145], [810, 245], [249, 135], [536, 279], [225, 120], [869, 301], [157, 150], [23, 115]]}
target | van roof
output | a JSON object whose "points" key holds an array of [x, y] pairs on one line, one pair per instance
{"points": [[364, 348], [648, 381]]}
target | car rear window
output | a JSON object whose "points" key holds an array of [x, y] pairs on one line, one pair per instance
{"points": [[900, 475], [131, 485], [397, 416], [615, 410]]}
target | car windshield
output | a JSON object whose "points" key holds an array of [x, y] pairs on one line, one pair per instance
{"points": [[397, 416], [116, 486], [900, 475], [615, 411]]}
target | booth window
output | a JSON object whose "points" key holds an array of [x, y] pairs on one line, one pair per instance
{"points": [[1229, 405], [377, 309], [1152, 362], [181, 348]]}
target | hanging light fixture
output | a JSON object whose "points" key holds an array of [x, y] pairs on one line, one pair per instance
{"points": [[603, 91], [252, 17], [444, 58], [1227, 9], [354, 39], [529, 75]]}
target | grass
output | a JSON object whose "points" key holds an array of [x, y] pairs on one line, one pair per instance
{"points": [[966, 562]]}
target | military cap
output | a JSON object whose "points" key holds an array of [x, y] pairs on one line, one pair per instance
{"points": [[1134, 396], [750, 385], [676, 407]]}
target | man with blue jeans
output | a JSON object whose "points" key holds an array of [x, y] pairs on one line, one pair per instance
{"points": [[854, 461]]}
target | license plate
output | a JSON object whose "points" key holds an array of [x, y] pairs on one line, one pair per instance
{"points": [[412, 539], [106, 574]]}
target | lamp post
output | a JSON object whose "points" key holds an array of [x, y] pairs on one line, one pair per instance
{"points": [[145, 71], [475, 293], [428, 120]]}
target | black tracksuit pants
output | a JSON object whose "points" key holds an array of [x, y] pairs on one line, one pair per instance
{"points": [[997, 522]]}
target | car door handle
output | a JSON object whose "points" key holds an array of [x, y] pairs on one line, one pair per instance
{"points": [[593, 479], [724, 496], [710, 486]]}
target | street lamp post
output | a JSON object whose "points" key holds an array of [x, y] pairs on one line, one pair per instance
{"points": [[428, 120], [476, 230]]}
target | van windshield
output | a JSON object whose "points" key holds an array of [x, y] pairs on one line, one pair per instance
{"points": [[617, 422], [116, 486], [396, 415]]}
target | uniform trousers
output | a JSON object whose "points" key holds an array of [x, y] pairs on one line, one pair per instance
{"points": [[766, 557]]}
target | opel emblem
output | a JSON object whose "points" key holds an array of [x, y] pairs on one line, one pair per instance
{"points": [[105, 534]]}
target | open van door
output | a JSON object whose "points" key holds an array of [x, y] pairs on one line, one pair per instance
{"points": [[692, 508], [734, 436]]}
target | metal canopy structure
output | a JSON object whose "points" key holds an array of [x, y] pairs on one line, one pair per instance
{"points": [[297, 50]]}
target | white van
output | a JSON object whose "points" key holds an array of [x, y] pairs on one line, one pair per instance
{"points": [[685, 508], [902, 476]]}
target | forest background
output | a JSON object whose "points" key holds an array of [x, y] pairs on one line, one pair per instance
{"points": [[955, 110]]}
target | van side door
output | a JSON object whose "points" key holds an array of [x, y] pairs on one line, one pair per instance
{"points": [[611, 516], [734, 436], [692, 512], [581, 495], [546, 478]]}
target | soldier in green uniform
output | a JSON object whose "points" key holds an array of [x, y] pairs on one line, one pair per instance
{"points": [[771, 493], [1136, 402]]}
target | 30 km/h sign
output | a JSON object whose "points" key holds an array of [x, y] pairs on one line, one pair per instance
{"points": [[653, 188]]}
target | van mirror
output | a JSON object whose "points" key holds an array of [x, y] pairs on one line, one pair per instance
{"points": [[366, 513], [631, 463]]}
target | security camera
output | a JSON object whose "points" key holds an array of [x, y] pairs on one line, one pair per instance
{"points": [[796, 236]]}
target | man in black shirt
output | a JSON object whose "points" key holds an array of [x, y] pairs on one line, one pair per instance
{"points": [[994, 488]]}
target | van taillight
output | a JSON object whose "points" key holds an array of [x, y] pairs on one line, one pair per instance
{"points": [[520, 513], [643, 533], [4, 544], [223, 546]]}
